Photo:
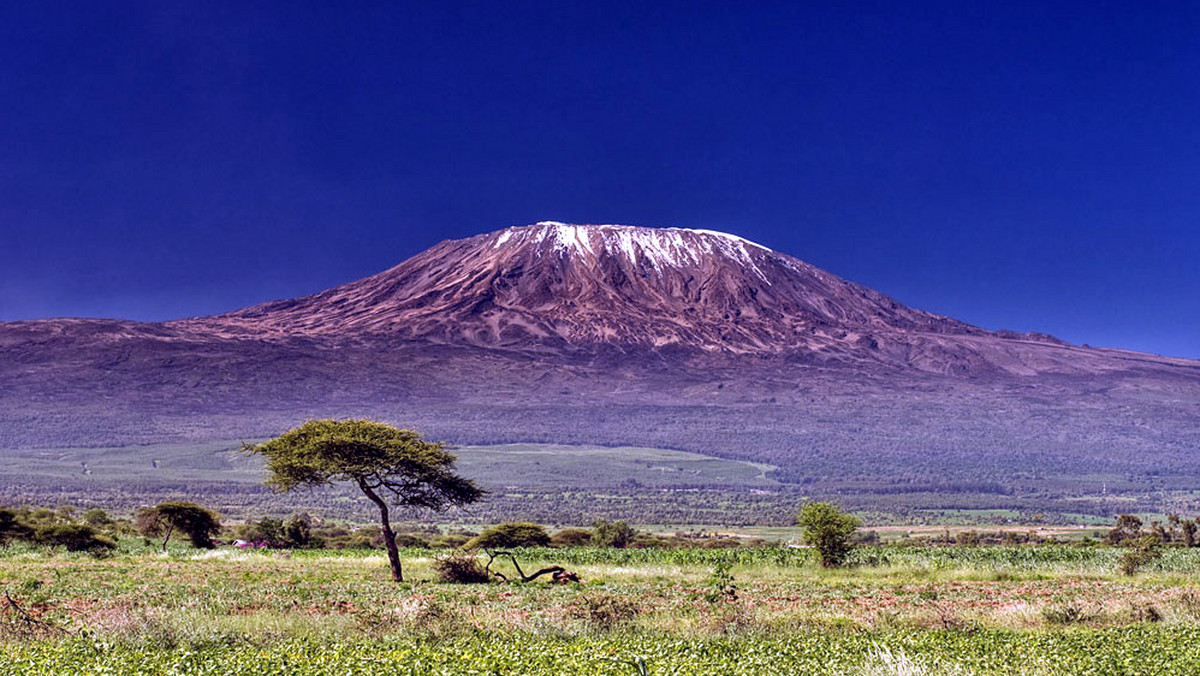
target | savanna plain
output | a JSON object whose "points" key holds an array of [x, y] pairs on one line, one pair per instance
{"points": [[892, 609]]}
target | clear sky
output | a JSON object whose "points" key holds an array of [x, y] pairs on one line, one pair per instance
{"points": [[1033, 166]]}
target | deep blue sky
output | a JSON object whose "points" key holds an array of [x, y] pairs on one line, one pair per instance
{"points": [[1016, 165]]}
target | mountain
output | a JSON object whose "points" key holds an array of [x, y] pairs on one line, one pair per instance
{"points": [[554, 286], [559, 284], [621, 335]]}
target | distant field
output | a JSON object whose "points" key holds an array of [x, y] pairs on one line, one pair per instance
{"points": [[550, 483], [508, 465], [555, 466], [557, 484]]}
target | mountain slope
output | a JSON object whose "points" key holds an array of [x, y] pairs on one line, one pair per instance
{"points": [[616, 335]]}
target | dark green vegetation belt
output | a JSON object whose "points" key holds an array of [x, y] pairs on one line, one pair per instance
{"points": [[1132, 650]]}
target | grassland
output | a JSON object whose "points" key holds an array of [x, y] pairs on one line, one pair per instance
{"points": [[963, 610]]}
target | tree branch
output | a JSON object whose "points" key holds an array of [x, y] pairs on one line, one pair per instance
{"points": [[559, 573]]}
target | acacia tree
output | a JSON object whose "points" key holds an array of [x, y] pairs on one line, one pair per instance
{"points": [[387, 464], [198, 523]]}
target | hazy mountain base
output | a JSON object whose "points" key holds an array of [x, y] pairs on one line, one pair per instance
{"points": [[872, 438], [623, 336], [552, 484]]}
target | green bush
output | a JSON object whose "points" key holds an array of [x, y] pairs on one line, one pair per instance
{"points": [[616, 534], [449, 541], [828, 530], [510, 534], [571, 537], [13, 527], [76, 538], [411, 540], [200, 525], [720, 585], [1145, 550]]}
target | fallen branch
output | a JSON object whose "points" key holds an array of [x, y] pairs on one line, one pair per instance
{"points": [[558, 573], [28, 621]]}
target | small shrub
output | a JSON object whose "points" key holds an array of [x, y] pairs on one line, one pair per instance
{"points": [[719, 585], [828, 529], [1146, 550], [616, 534], [1067, 614], [297, 532], [460, 568], [571, 537], [605, 611]]}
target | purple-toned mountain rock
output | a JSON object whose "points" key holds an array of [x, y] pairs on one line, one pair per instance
{"points": [[603, 334], [554, 286]]}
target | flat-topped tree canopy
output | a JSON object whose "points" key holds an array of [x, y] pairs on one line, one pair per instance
{"points": [[379, 458]]}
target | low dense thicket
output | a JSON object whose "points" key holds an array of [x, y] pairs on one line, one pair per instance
{"points": [[1131, 544], [91, 532]]}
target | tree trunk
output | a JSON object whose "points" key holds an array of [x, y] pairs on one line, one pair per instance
{"points": [[389, 537], [170, 529]]}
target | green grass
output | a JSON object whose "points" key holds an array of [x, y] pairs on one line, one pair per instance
{"points": [[1140, 650], [1026, 609]]}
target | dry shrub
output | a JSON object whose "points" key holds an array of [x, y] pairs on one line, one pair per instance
{"points": [[604, 611], [416, 614], [730, 618], [1065, 614], [460, 568], [884, 662], [1145, 612], [141, 626], [1189, 604]]}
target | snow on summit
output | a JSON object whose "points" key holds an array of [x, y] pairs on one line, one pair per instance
{"points": [[662, 247]]}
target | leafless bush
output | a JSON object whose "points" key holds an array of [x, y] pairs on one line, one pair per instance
{"points": [[460, 568], [605, 611]]}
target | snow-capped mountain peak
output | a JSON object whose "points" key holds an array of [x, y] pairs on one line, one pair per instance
{"points": [[571, 285]]}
